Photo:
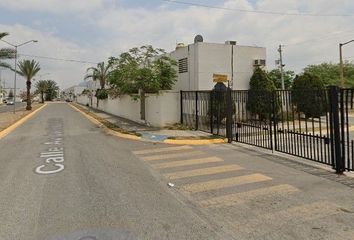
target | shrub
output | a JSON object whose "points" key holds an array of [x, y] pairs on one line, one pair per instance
{"points": [[101, 94], [309, 95], [260, 95], [218, 103]]}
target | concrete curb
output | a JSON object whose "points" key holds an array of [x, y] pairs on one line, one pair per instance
{"points": [[133, 137], [194, 141], [19, 122], [107, 130]]}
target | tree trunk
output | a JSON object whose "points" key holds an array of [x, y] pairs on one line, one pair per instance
{"points": [[142, 104], [29, 102], [42, 96]]}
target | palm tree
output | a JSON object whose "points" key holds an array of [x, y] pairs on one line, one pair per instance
{"points": [[99, 73], [5, 53], [41, 87], [51, 91], [28, 69]]}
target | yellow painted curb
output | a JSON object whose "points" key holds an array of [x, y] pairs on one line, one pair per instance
{"points": [[133, 137], [194, 142], [109, 131], [9, 129]]}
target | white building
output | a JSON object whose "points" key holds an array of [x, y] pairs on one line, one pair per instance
{"points": [[74, 91], [198, 62]]}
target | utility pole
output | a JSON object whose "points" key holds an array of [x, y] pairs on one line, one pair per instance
{"points": [[230, 83], [1, 93], [341, 68], [16, 46], [280, 50]]}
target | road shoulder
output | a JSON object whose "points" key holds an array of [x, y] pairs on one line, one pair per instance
{"points": [[11, 124]]}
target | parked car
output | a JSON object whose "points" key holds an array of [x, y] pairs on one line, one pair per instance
{"points": [[10, 102]]}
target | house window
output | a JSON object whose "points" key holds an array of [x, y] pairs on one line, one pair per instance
{"points": [[183, 65]]}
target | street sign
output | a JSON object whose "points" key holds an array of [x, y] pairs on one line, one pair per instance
{"points": [[219, 78]]}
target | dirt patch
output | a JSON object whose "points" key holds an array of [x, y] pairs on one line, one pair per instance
{"points": [[9, 118]]}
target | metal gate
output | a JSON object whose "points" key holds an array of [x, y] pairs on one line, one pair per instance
{"points": [[312, 124], [346, 119], [248, 127], [304, 130]]}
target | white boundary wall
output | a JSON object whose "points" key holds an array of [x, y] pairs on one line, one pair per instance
{"points": [[161, 109]]}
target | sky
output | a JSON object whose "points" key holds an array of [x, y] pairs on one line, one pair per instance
{"points": [[93, 30]]}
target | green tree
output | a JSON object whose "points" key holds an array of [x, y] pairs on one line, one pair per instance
{"points": [[41, 88], [260, 95], [28, 69], [5, 53], [51, 91], [275, 76], [329, 73], [140, 71], [309, 96], [100, 74]]}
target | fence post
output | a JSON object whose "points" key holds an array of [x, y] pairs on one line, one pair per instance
{"points": [[181, 105], [228, 115], [335, 129], [196, 111], [273, 118], [211, 112]]}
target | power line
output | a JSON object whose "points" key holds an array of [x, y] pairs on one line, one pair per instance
{"points": [[57, 59], [326, 37], [259, 11]]}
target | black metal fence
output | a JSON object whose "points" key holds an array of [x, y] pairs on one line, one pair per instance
{"points": [[347, 127], [312, 124]]}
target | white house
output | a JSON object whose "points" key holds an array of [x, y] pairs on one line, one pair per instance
{"points": [[74, 91], [198, 62]]}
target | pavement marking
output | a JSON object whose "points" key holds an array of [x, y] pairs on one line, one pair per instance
{"points": [[159, 150], [172, 155], [54, 154], [195, 141], [224, 183], [189, 162], [237, 198], [294, 215], [12, 127], [203, 171]]}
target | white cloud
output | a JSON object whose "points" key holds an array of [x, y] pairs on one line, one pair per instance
{"points": [[65, 73], [114, 29], [164, 26], [52, 5]]}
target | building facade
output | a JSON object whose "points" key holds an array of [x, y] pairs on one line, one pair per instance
{"points": [[198, 62]]}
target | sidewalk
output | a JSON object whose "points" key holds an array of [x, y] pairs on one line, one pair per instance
{"points": [[148, 132]]}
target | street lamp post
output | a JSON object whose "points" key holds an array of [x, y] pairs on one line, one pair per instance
{"points": [[341, 68], [16, 46]]}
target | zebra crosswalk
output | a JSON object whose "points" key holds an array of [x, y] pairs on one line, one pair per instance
{"points": [[224, 183], [214, 183], [237, 198], [189, 162], [203, 171]]}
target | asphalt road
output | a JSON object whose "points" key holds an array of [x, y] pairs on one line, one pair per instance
{"points": [[63, 178], [102, 191], [9, 108]]}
